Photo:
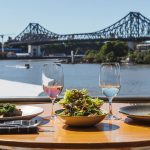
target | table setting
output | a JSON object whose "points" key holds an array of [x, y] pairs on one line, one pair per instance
{"points": [[76, 117], [76, 110]]}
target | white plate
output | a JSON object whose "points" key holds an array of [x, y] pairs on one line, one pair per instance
{"points": [[137, 112], [28, 112]]}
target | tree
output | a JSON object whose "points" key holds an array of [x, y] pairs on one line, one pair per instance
{"points": [[110, 57], [112, 51], [120, 49], [107, 48], [147, 59], [90, 55]]}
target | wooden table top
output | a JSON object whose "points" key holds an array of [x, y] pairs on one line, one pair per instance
{"points": [[114, 134]]}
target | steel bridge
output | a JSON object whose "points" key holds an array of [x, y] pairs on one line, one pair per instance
{"points": [[133, 27]]}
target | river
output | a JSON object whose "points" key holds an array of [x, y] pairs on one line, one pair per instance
{"points": [[135, 79]]}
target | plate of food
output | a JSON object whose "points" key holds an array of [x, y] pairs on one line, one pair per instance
{"points": [[10, 111], [80, 110], [137, 112]]}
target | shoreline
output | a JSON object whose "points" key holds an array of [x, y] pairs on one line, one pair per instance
{"points": [[56, 59]]}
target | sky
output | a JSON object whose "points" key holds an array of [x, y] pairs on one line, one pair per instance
{"points": [[66, 16]]}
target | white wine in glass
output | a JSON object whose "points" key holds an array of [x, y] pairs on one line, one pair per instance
{"points": [[52, 82], [109, 82]]}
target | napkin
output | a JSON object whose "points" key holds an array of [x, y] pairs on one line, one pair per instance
{"points": [[19, 127]]}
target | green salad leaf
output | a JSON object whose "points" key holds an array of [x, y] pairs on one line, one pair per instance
{"points": [[79, 103], [7, 108]]}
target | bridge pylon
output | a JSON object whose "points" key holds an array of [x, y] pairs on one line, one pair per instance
{"points": [[132, 45], [34, 50]]}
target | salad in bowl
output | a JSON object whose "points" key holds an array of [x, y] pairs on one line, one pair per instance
{"points": [[80, 109]]}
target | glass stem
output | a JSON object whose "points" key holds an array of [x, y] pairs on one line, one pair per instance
{"points": [[52, 109], [110, 106]]}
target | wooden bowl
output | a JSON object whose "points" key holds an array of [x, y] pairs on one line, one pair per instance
{"points": [[80, 121]]}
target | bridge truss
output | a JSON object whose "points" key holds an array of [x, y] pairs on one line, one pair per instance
{"points": [[133, 27]]}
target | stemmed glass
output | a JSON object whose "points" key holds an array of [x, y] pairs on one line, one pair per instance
{"points": [[53, 82], [109, 82]]}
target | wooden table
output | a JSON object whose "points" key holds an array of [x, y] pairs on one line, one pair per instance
{"points": [[107, 134]]}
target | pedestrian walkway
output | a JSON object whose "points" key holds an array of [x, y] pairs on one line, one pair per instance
{"points": [[17, 89]]}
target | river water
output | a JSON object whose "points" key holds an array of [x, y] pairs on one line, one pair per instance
{"points": [[135, 79]]}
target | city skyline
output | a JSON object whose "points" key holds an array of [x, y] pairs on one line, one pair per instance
{"points": [[66, 17]]}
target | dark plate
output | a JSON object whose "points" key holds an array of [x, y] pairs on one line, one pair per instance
{"points": [[137, 112]]}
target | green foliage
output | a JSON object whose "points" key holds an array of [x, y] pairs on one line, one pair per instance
{"points": [[107, 48], [140, 57], [69, 46], [120, 49], [109, 52], [110, 57], [90, 55], [87, 52], [112, 51], [147, 59], [99, 58], [7, 108]]}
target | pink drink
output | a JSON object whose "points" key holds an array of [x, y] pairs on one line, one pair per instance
{"points": [[52, 91]]}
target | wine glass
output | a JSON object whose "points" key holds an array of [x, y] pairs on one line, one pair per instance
{"points": [[109, 82], [53, 82]]}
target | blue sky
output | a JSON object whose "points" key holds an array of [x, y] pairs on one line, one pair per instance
{"points": [[66, 16]]}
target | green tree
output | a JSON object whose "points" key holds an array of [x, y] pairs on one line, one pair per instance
{"points": [[110, 57], [107, 48], [120, 49], [90, 56], [112, 51], [147, 59]]}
